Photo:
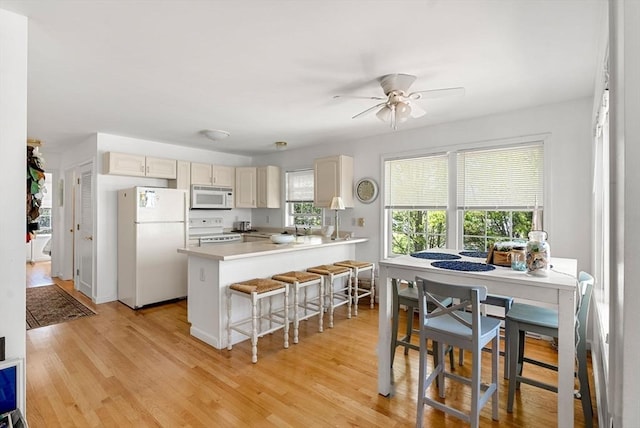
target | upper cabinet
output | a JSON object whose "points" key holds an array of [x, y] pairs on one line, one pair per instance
{"points": [[245, 190], [257, 187], [223, 175], [333, 176], [138, 165], [207, 174], [268, 186], [200, 173]]}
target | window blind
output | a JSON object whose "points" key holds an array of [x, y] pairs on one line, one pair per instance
{"points": [[417, 183], [300, 186], [505, 178]]}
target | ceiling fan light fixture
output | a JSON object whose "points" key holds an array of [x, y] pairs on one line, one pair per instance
{"points": [[215, 134], [384, 114], [403, 111]]}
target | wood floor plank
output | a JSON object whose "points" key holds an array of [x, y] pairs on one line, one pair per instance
{"points": [[143, 368]]}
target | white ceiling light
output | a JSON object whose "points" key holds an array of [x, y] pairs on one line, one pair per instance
{"points": [[215, 134], [281, 145]]}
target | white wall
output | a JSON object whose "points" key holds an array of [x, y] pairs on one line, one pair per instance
{"points": [[567, 210], [13, 137]]}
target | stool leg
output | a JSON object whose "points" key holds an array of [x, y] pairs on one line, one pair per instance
{"points": [[320, 305], [296, 301], [254, 328], [229, 319], [286, 316], [350, 295], [373, 286], [354, 274], [331, 308]]}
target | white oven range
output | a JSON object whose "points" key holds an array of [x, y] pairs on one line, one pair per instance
{"points": [[209, 231]]}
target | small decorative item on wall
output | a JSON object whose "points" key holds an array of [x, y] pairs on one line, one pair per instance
{"points": [[366, 190], [35, 187]]}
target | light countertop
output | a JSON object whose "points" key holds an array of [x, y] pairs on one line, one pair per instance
{"points": [[233, 251]]}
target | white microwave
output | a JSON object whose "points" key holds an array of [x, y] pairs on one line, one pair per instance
{"points": [[211, 198]]}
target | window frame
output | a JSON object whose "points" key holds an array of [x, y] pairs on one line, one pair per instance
{"points": [[455, 217], [289, 211]]}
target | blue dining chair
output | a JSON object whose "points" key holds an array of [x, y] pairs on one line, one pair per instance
{"points": [[523, 318], [406, 294], [460, 325]]}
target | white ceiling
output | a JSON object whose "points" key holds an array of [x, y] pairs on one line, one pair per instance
{"points": [[267, 70]]}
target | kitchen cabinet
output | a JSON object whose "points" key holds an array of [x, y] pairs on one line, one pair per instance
{"points": [[268, 186], [215, 175], [333, 176], [223, 175], [200, 173], [245, 190], [183, 179], [138, 165]]}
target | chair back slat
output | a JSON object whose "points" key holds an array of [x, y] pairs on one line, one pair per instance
{"points": [[468, 296]]}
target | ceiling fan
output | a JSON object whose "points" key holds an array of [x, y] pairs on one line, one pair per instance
{"points": [[400, 104]]}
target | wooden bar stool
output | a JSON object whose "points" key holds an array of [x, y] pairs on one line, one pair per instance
{"points": [[256, 290], [309, 307], [359, 292], [339, 297]]}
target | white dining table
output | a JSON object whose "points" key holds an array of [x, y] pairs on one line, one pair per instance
{"points": [[558, 289]]}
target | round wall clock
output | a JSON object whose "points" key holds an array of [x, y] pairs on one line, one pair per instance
{"points": [[366, 190]]}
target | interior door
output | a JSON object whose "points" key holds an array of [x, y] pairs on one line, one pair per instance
{"points": [[84, 227]]}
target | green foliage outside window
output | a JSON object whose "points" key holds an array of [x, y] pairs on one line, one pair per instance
{"points": [[483, 228], [417, 230], [304, 214]]}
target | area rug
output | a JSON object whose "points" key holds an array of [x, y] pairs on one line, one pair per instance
{"points": [[50, 304]]}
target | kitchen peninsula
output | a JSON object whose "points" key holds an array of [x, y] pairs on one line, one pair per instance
{"points": [[213, 268]]}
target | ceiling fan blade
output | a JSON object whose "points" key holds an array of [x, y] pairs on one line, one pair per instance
{"points": [[368, 110], [436, 93], [416, 110], [359, 97]]}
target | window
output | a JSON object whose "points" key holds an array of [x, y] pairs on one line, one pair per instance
{"points": [[491, 194], [416, 195], [499, 194], [300, 210]]}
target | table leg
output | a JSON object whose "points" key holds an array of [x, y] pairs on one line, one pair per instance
{"points": [[384, 333], [566, 352]]}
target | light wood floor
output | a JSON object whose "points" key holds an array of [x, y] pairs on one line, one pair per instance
{"points": [[141, 368]]}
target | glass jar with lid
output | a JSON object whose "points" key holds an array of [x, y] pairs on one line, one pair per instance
{"points": [[538, 253]]}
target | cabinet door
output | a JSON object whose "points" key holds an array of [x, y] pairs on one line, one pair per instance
{"points": [[183, 179], [224, 175], [268, 186], [160, 168], [201, 173], [245, 189], [333, 177], [124, 164]]}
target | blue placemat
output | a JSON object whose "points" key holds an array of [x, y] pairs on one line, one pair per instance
{"points": [[435, 256], [476, 254], [463, 266]]}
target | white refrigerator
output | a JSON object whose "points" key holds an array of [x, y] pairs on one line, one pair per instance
{"points": [[151, 227]]}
